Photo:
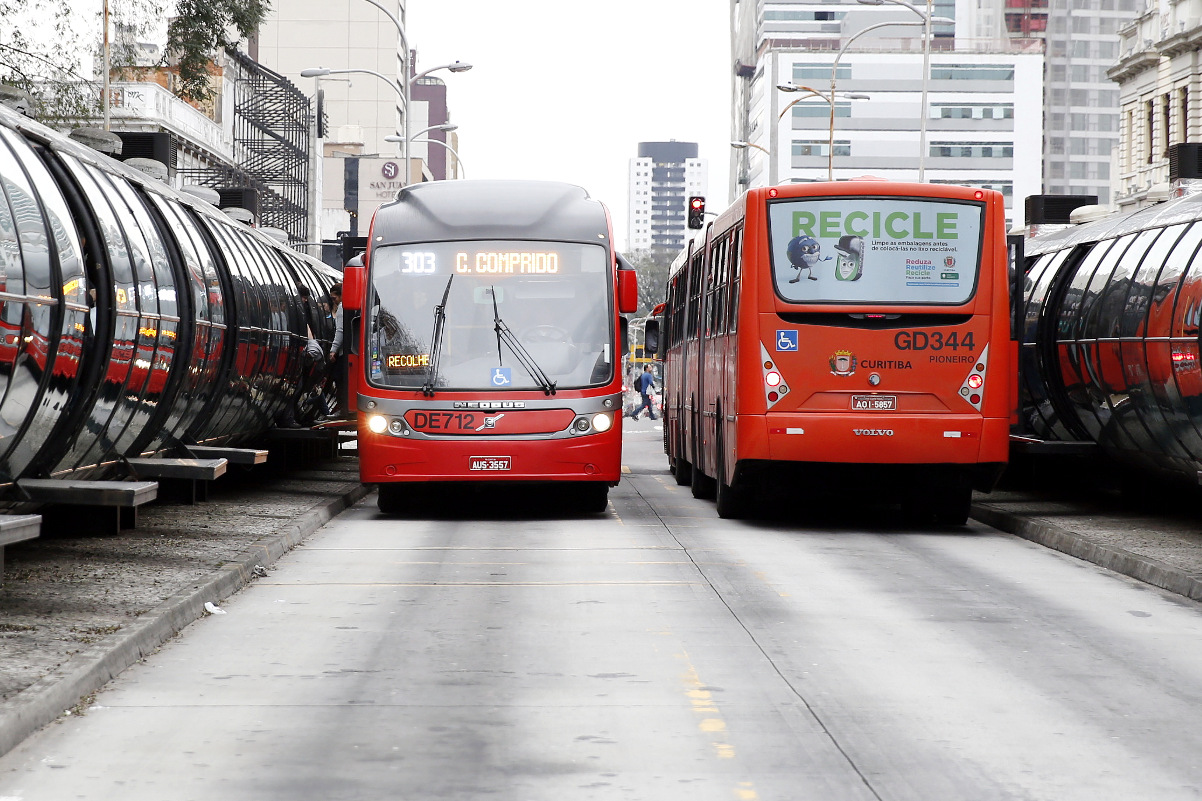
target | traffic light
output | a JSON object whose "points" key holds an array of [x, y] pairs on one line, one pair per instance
{"points": [[696, 212]]}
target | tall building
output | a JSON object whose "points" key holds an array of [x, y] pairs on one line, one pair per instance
{"points": [[1160, 83], [360, 169], [662, 179], [983, 112], [1081, 103]]}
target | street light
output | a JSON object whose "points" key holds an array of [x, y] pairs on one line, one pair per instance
{"points": [[925, 22], [321, 72], [404, 79], [810, 92], [444, 127], [742, 145]]}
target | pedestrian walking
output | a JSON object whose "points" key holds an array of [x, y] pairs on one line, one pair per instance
{"points": [[646, 384]]}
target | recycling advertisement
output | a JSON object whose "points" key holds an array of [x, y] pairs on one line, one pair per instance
{"points": [[875, 250]]}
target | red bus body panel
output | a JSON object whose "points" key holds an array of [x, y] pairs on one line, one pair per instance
{"points": [[717, 395]]}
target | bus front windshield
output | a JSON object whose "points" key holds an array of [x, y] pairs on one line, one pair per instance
{"points": [[490, 315]]}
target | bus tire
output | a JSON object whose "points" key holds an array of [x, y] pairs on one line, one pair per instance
{"points": [[952, 507], [701, 485], [682, 471], [592, 497], [730, 499], [392, 499]]}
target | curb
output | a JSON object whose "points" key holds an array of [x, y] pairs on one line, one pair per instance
{"points": [[86, 672], [1144, 568]]}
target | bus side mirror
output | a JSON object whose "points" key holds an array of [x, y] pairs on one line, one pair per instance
{"points": [[624, 334], [651, 338], [352, 287], [628, 291]]}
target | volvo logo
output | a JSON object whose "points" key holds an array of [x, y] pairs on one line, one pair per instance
{"points": [[873, 432]]}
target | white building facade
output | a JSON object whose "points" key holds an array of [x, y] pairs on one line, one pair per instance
{"points": [[984, 110], [662, 179], [1159, 76]]}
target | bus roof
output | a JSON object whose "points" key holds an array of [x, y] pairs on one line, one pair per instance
{"points": [[447, 211]]}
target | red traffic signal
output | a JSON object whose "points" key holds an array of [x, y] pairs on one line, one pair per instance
{"points": [[696, 212]]}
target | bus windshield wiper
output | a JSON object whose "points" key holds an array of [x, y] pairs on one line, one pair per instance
{"points": [[440, 320], [504, 335]]}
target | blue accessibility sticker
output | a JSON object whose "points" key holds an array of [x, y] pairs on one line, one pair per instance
{"points": [[502, 376], [786, 340]]}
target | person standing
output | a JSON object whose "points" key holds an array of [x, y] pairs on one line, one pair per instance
{"points": [[338, 351], [645, 384]]}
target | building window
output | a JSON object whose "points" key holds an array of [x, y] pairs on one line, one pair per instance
{"points": [[977, 150], [821, 147], [810, 72], [971, 72], [973, 111]]}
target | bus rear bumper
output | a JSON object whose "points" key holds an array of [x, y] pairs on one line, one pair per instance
{"points": [[876, 439]]}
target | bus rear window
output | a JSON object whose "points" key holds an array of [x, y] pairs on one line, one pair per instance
{"points": [[875, 250]]}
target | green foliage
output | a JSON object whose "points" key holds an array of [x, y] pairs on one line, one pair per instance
{"points": [[201, 28], [652, 267], [40, 41], [36, 57]]}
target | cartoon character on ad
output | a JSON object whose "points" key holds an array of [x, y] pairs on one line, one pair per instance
{"points": [[850, 265], [804, 254]]}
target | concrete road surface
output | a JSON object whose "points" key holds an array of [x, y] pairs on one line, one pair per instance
{"points": [[493, 648]]}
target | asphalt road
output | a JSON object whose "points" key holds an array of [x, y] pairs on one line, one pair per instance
{"points": [[503, 650]]}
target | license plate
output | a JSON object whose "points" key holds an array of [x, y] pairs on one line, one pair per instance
{"points": [[873, 403], [490, 462]]}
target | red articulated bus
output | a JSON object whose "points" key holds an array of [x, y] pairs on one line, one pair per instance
{"points": [[823, 336], [488, 348]]}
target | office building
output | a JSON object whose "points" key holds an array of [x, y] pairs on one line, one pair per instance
{"points": [[662, 179]]}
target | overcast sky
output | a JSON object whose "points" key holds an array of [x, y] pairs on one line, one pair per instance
{"points": [[566, 89]]}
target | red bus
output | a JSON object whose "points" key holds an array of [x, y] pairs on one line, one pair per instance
{"points": [[823, 336], [488, 348]]}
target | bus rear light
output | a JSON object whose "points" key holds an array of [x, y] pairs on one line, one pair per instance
{"points": [[972, 389], [774, 382]]}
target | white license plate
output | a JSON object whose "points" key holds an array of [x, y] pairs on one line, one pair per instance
{"points": [[490, 463], [873, 403]]}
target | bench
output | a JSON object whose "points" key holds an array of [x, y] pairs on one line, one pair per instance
{"points": [[17, 528], [239, 456], [113, 504], [182, 480]]}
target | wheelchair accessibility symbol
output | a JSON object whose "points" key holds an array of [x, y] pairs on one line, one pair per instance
{"points": [[502, 376], [786, 340]]}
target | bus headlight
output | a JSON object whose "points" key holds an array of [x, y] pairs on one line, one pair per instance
{"points": [[602, 422], [377, 424]]}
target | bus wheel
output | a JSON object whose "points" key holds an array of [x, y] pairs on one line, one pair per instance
{"points": [[731, 499], [592, 497], [701, 485], [393, 499], [682, 471], [952, 507]]}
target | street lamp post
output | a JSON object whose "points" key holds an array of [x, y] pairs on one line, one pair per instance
{"points": [[830, 101], [446, 126], [927, 19], [458, 161], [834, 67], [321, 72]]}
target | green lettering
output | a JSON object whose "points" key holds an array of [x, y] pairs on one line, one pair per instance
{"points": [[829, 223], [945, 225], [803, 223], [918, 232], [847, 223], [889, 224]]}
